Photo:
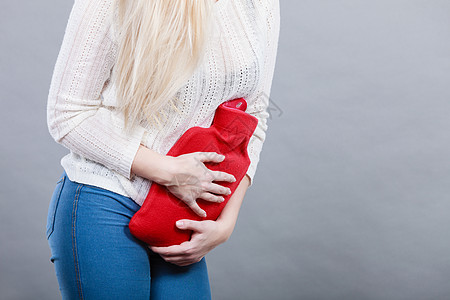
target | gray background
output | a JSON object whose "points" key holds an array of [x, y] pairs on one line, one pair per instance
{"points": [[351, 196]]}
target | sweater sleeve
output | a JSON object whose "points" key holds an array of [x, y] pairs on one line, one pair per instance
{"points": [[76, 116], [259, 102]]}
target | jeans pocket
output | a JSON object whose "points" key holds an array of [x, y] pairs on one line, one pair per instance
{"points": [[54, 205]]}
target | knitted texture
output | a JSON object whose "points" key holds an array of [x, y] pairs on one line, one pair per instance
{"points": [[82, 112], [154, 222]]}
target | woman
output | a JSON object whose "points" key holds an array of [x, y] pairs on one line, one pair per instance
{"points": [[131, 77]]}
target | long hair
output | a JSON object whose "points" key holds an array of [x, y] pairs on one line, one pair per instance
{"points": [[160, 44]]}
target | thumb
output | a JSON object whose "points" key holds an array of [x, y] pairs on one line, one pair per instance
{"points": [[188, 224]]}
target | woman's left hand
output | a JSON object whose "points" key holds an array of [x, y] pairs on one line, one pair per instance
{"points": [[206, 236]]}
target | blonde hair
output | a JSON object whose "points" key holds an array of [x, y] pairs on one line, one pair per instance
{"points": [[160, 44]]}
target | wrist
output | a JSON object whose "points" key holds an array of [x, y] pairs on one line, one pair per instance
{"points": [[163, 169], [226, 229]]}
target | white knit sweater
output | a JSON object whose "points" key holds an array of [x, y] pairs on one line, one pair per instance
{"points": [[82, 114]]}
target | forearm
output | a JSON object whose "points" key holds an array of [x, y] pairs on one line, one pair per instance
{"points": [[151, 165], [206, 234], [229, 214]]}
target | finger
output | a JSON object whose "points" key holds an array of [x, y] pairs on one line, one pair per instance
{"points": [[194, 206], [222, 176], [184, 263], [170, 250], [212, 198], [182, 259], [218, 189], [186, 224], [210, 157], [184, 250], [179, 261]]}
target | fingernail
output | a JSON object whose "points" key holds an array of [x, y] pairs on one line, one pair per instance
{"points": [[222, 156], [229, 191], [179, 223], [222, 199], [234, 179]]}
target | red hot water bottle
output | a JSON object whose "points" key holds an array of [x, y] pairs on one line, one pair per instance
{"points": [[229, 134]]}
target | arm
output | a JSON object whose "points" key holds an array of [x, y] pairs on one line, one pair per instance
{"points": [[78, 119], [230, 212], [153, 165], [207, 234], [76, 116], [258, 103]]}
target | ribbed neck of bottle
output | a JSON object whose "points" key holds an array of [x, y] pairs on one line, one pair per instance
{"points": [[234, 120]]}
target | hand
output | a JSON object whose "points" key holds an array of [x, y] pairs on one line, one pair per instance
{"points": [[205, 237], [191, 179]]}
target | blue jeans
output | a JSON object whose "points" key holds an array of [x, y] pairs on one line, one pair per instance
{"points": [[96, 257]]}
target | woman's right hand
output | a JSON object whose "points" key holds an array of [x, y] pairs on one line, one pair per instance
{"points": [[191, 179], [185, 175]]}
